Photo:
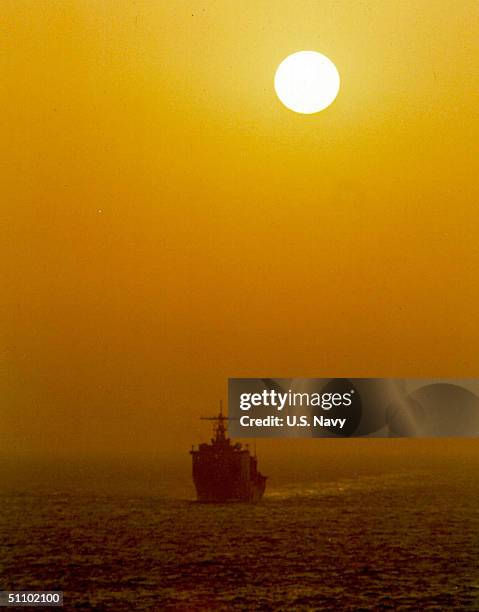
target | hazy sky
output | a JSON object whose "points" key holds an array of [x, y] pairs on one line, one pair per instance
{"points": [[167, 223]]}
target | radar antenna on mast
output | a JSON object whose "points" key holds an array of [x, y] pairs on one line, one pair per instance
{"points": [[220, 427]]}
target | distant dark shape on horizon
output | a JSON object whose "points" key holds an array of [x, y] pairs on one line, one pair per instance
{"points": [[224, 471]]}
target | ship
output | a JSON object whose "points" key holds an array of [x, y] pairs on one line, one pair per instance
{"points": [[225, 471]]}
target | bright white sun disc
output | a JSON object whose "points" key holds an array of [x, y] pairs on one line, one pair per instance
{"points": [[307, 82]]}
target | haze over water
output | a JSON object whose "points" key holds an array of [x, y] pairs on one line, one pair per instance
{"points": [[401, 529]]}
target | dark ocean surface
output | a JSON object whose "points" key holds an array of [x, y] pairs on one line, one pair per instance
{"points": [[394, 540]]}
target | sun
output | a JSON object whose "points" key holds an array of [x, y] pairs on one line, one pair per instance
{"points": [[307, 82]]}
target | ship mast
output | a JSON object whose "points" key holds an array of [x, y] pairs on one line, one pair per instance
{"points": [[219, 428]]}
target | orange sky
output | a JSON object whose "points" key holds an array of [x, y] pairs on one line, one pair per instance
{"points": [[167, 223]]}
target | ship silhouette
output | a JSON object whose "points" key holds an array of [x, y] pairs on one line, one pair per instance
{"points": [[225, 471]]}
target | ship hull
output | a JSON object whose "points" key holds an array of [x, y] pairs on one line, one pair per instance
{"points": [[226, 476], [226, 472]]}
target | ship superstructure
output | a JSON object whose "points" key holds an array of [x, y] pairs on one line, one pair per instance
{"points": [[224, 471]]}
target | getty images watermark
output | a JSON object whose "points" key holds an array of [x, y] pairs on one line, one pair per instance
{"points": [[344, 407]]}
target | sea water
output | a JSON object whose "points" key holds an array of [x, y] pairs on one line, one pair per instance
{"points": [[393, 540]]}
